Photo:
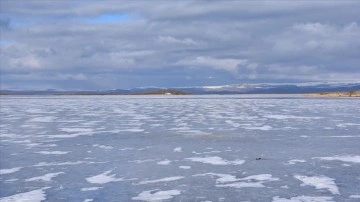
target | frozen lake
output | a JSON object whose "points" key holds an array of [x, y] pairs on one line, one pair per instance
{"points": [[179, 148]]}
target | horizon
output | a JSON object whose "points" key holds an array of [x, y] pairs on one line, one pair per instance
{"points": [[101, 45], [217, 87]]}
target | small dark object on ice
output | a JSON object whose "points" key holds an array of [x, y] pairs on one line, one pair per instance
{"points": [[259, 158]]}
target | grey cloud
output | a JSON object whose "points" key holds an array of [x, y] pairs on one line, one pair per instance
{"points": [[235, 40]]}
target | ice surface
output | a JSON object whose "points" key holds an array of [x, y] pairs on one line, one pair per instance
{"points": [[215, 160], [265, 127], [9, 170], [304, 199], [346, 158], [294, 161], [286, 117], [53, 152], [58, 163], [179, 148], [76, 130], [254, 181], [46, 177], [319, 182], [91, 188], [37, 195], [261, 177], [42, 119], [164, 162], [154, 195], [145, 161], [167, 179], [104, 178], [103, 146], [223, 178]]}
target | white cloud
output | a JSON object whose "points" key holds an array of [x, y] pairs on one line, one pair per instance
{"points": [[173, 40], [227, 64], [304, 37], [28, 62]]}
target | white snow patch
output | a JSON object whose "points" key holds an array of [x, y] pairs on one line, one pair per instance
{"points": [[46, 177], [76, 130], [50, 145], [164, 162], [223, 178], [178, 149], [185, 167], [9, 170], [255, 181], [134, 130], [52, 152], [304, 199], [127, 148], [283, 117], [346, 158], [11, 180], [102, 146], [354, 196], [88, 200], [144, 148], [91, 188], [59, 164], [344, 125], [67, 135], [104, 178], [167, 179], [264, 128], [319, 182], [239, 185], [154, 195], [215, 160], [31, 196], [294, 161], [44, 119], [143, 161], [261, 177]]}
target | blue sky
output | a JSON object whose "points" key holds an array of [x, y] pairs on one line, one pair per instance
{"points": [[110, 17], [89, 45]]}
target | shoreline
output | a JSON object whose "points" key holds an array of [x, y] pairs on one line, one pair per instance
{"points": [[354, 94]]}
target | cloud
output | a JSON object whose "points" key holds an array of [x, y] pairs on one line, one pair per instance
{"points": [[230, 65], [172, 40], [141, 43]]}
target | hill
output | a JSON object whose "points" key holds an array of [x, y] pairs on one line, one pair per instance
{"points": [[163, 92]]}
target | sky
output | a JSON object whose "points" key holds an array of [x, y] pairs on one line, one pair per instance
{"points": [[95, 45]]}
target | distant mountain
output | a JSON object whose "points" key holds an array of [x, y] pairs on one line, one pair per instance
{"points": [[300, 88], [275, 88], [163, 92]]}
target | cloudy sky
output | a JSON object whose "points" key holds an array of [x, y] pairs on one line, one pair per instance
{"points": [[75, 45]]}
